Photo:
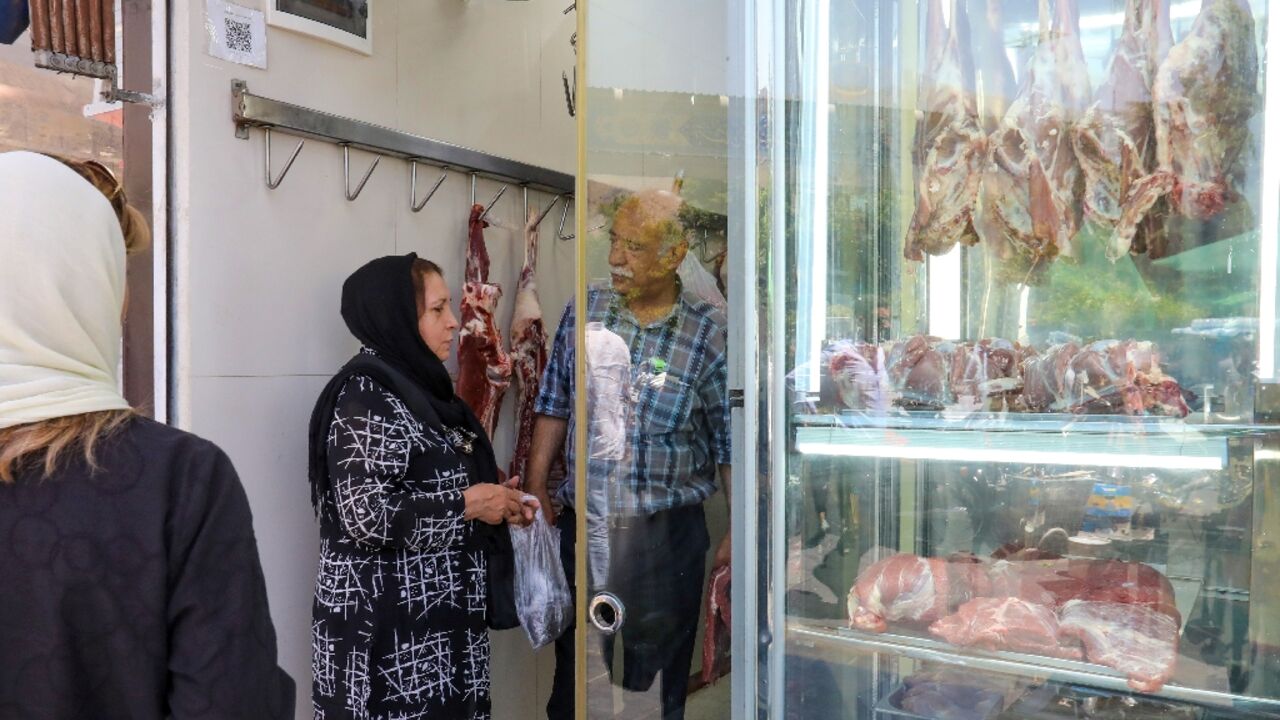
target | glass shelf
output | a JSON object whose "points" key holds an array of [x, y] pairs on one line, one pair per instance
{"points": [[1091, 441], [831, 643]]}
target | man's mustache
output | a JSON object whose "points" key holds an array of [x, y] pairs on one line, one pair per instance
{"points": [[622, 272]]}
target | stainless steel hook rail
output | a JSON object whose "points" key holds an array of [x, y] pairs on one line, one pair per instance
{"points": [[250, 111]]}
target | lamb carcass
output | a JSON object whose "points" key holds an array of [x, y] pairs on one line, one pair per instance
{"points": [[528, 346], [1205, 93], [949, 142], [1138, 641], [1005, 623], [1031, 184], [484, 368], [994, 73], [1116, 140]]}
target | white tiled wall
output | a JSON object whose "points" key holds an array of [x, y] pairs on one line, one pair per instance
{"points": [[258, 273]]}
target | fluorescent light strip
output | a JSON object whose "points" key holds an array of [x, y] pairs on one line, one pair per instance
{"points": [[1030, 457]]}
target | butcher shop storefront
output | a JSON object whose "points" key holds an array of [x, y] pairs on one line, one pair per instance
{"points": [[961, 398]]}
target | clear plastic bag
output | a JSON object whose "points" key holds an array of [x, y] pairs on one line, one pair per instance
{"points": [[543, 602]]}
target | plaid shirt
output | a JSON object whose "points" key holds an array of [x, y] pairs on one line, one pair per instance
{"points": [[679, 428]]}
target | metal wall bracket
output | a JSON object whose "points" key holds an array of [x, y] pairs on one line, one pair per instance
{"points": [[545, 211], [560, 231], [414, 205], [274, 182], [346, 173]]}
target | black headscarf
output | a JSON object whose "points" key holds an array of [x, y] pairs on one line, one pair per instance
{"points": [[381, 310]]}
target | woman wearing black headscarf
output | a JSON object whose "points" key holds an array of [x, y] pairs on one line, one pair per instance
{"points": [[404, 482]]}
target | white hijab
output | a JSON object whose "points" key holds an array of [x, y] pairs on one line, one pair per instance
{"points": [[61, 293]]}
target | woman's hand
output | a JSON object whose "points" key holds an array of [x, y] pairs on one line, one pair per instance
{"points": [[530, 504], [493, 504]]}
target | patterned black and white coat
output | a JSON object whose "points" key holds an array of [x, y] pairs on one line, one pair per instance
{"points": [[398, 622]]}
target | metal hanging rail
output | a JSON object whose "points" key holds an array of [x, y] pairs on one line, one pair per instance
{"points": [[250, 111]]}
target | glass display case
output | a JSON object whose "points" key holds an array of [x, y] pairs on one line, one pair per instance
{"points": [[1017, 277], [1001, 307]]}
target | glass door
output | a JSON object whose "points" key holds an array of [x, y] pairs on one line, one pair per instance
{"points": [[1017, 325], [650, 484]]}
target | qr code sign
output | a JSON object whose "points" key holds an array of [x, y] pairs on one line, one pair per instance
{"points": [[236, 33], [239, 35]]}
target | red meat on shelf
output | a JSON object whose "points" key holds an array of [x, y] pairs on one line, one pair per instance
{"points": [[1140, 642], [1056, 582], [911, 589], [1005, 623]]}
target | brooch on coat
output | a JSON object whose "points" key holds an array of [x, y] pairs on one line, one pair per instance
{"points": [[459, 439]]}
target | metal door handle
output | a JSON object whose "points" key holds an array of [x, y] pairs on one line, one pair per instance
{"points": [[606, 612]]}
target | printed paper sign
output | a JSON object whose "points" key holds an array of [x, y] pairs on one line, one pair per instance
{"points": [[236, 33]]}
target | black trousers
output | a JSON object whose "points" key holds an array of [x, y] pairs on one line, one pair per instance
{"points": [[658, 563]]}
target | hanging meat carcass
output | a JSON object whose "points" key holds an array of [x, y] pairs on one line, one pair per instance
{"points": [[528, 346], [949, 144], [1205, 93], [484, 368], [1032, 181], [1116, 140], [995, 81]]}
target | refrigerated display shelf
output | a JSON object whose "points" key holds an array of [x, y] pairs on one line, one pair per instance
{"points": [[1094, 441], [825, 639]]}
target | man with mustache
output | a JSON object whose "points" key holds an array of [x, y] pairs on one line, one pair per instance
{"points": [[675, 442]]}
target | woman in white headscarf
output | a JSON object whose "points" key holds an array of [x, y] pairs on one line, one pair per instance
{"points": [[130, 573]]}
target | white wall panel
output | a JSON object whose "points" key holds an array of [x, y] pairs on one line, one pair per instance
{"points": [[258, 272]]}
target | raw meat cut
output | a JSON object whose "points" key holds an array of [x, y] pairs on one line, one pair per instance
{"points": [[1055, 582], [986, 373], [949, 145], [920, 372], [953, 694], [1205, 93], [1045, 377], [860, 375], [484, 369], [1115, 376], [1005, 623], [528, 349], [911, 589], [1031, 184], [1116, 141], [719, 623], [1136, 640], [1040, 582]]}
